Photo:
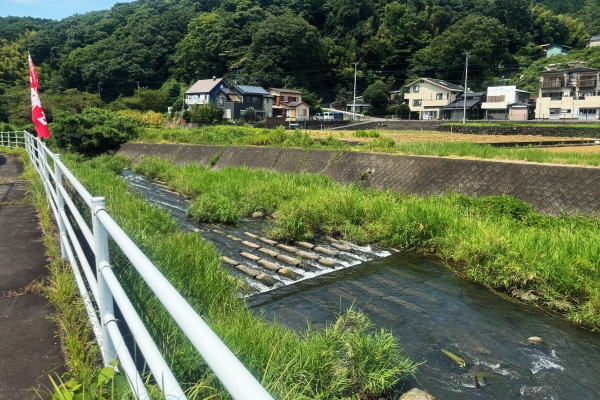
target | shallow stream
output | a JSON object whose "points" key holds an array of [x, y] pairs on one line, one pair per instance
{"points": [[428, 308]]}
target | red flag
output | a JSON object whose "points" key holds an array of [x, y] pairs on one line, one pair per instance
{"points": [[37, 112]]}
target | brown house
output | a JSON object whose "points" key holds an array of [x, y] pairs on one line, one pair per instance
{"points": [[288, 103]]}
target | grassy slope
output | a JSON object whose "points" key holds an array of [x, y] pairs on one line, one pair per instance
{"points": [[234, 135], [497, 241], [349, 358]]}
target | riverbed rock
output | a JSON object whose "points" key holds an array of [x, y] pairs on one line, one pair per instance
{"points": [[305, 244], [266, 279], [307, 254], [524, 295], [341, 247], [249, 256], [250, 244], [416, 394], [288, 260], [457, 360], [326, 261], [229, 260], [269, 252], [535, 340], [220, 232], [288, 273], [258, 214], [248, 270], [268, 241], [290, 249], [324, 250], [237, 239], [269, 265]]}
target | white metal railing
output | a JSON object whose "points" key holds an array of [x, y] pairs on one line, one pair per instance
{"points": [[100, 288]]}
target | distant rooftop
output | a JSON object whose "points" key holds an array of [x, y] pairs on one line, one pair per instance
{"points": [[570, 70], [245, 89], [439, 82], [204, 85], [285, 90]]}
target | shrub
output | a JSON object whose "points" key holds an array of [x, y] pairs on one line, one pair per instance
{"points": [[204, 114], [147, 119], [92, 132], [250, 114]]}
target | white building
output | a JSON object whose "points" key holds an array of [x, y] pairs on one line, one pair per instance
{"points": [[506, 103]]}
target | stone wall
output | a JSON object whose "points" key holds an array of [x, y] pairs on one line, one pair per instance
{"points": [[550, 189]]}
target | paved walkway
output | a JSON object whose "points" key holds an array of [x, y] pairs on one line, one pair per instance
{"points": [[29, 349]]}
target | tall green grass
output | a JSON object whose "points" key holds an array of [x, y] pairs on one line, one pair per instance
{"points": [[498, 241], [348, 359], [246, 136]]}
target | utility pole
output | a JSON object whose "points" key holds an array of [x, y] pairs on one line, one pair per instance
{"points": [[467, 54], [354, 98]]}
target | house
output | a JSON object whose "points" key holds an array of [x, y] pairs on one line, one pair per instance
{"points": [[555, 49], [572, 93], [594, 41], [288, 103], [204, 91], [428, 97], [236, 99], [456, 109], [506, 103]]}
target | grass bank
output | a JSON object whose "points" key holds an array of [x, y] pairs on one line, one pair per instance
{"points": [[349, 359], [246, 136], [497, 241], [591, 125]]}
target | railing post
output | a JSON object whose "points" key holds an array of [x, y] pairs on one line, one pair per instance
{"points": [[60, 204], [105, 299]]}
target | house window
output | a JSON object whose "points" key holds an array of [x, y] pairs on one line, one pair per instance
{"points": [[221, 100], [301, 112], [554, 111], [439, 96], [416, 88], [291, 99], [417, 103], [565, 111]]}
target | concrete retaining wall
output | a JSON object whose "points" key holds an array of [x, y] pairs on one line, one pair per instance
{"points": [[558, 131], [550, 189]]}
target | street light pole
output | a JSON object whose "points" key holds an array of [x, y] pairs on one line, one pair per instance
{"points": [[354, 98], [467, 54]]}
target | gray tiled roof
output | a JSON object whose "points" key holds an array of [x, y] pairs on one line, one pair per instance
{"points": [[245, 89], [204, 85], [448, 85]]}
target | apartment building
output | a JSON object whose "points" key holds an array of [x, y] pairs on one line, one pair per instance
{"points": [[428, 97], [569, 94]]}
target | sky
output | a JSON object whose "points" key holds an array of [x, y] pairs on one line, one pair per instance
{"points": [[54, 9]]}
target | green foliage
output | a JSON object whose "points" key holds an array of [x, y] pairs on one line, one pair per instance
{"points": [[204, 114], [399, 110], [338, 363], [498, 241], [366, 133], [107, 385], [92, 132], [250, 114], [377, 95]]}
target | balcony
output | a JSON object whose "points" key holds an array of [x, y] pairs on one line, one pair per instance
{"points": [[587, 82], [552, 83]]}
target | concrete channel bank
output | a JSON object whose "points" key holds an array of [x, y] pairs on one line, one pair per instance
{"points": [[550, 189]]}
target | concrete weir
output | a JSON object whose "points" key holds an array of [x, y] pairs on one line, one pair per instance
{"points": [[550, 189]]}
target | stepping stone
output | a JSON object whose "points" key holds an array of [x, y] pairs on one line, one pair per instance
{"points": [[269, 265], [287, 248], [327, 261], [250, 244], [306, 254], [306, 245], [288, 260], [248, 270], [252, 235], [323, 250], [218, 231], [269, 252], [229, 261], [341, 247], [237, 239], [288, 273], [268, 241], [249, 256]]}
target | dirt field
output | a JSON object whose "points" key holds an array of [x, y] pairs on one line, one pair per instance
{"points": [[575, 149], [432, 136]]}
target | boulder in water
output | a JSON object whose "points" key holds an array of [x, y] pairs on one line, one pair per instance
{"points": [[535, 340], [258, 214], [416, 394]]}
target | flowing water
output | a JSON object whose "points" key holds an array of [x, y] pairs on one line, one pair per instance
{"points": [[428, 308]]}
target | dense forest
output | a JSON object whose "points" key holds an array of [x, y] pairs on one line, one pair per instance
{"points": [[103, 56]]}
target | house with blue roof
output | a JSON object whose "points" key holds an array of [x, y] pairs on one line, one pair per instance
{"points": [[235, 100]]}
